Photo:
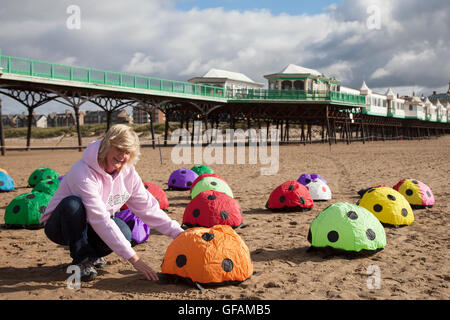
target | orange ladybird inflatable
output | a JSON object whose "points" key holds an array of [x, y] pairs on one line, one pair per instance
{"points": [[214, 255]]}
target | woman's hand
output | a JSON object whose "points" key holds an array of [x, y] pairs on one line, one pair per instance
{"points": [[142, 267]]}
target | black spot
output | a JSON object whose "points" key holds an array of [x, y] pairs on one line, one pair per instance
{"points": [[282, 198], [333, 236], [42, 170], [212, 197], [307, 181], [208, 236], [227, 265], [370, 234], [415, 182], [302, 200], [377, 208], [224, 214], [189, 183], [391, 197], [213, 183], [50, 182], [428, 194], [291, 188], [30, 196], [16, 209], [1, 183], [370, 190], [145, 186], [352, 215], [49, 177], [183, 171], [409, 192], [196, 213], [42, 209], [174, 180], [181, 260], [404, 212]]}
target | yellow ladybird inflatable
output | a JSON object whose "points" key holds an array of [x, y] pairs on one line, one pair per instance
{"points": [[388, 205], [214, 255]]}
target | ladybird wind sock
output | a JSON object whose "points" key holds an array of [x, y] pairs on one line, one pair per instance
{"points": [[201, 168], [156, 192], [6, 182], [205, 175], [181, 179], [41, 174], [216, 255], [417, 193], [319, 190], [388, 205], [48, 186], [26, 209], [210, 208], [347, 227], [290, 196], [211, 183]]}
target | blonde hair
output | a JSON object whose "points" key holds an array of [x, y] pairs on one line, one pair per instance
{"points": [[122, 137]]}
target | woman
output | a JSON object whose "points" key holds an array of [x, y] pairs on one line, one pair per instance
{"points": [[81, 213]]}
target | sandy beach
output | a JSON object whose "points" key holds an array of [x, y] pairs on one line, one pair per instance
{"points": [[414, 264]]}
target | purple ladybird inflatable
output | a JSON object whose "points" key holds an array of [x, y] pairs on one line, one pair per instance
{"points": [[306, 178], [139, 230], [182, 179]]}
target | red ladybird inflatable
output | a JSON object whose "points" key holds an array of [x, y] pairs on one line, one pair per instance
{"points": [[157, 192], [290, 196], [210, 208]]}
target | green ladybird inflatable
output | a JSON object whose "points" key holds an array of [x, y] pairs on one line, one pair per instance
{"points": [[211, 183], [26, 209], [201, 169], [347, 227], [48, 186], [41, 174]]}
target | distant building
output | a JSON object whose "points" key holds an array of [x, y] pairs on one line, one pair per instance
{"points": [[21, 120], [232, 81], [294, 77], [64, 119], [142, 117], [442, 97], [120, 116]]}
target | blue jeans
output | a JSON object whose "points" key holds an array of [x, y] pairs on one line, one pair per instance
{"points": [[67, 225]]}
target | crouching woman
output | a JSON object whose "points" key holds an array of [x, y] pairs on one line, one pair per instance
{"points": [[81, 213]]}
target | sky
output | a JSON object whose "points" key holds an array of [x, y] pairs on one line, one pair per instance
{"points": [[402, 44], [290, 7]]}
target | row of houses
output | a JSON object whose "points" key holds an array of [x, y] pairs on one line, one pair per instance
{"points": [[435, 108], [86, 117]]}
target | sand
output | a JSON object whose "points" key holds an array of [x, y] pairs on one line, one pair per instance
{"points": [[414, 264]]}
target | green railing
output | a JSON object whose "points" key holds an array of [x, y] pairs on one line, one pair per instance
{"points": [[264, 94], [48, 70], [42, 69]]}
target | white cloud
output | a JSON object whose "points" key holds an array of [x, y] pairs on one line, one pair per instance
{"points": [[154, 38], [143, 64]]}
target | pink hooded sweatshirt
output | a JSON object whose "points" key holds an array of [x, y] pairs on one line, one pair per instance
{"points": [[103, 195]]}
